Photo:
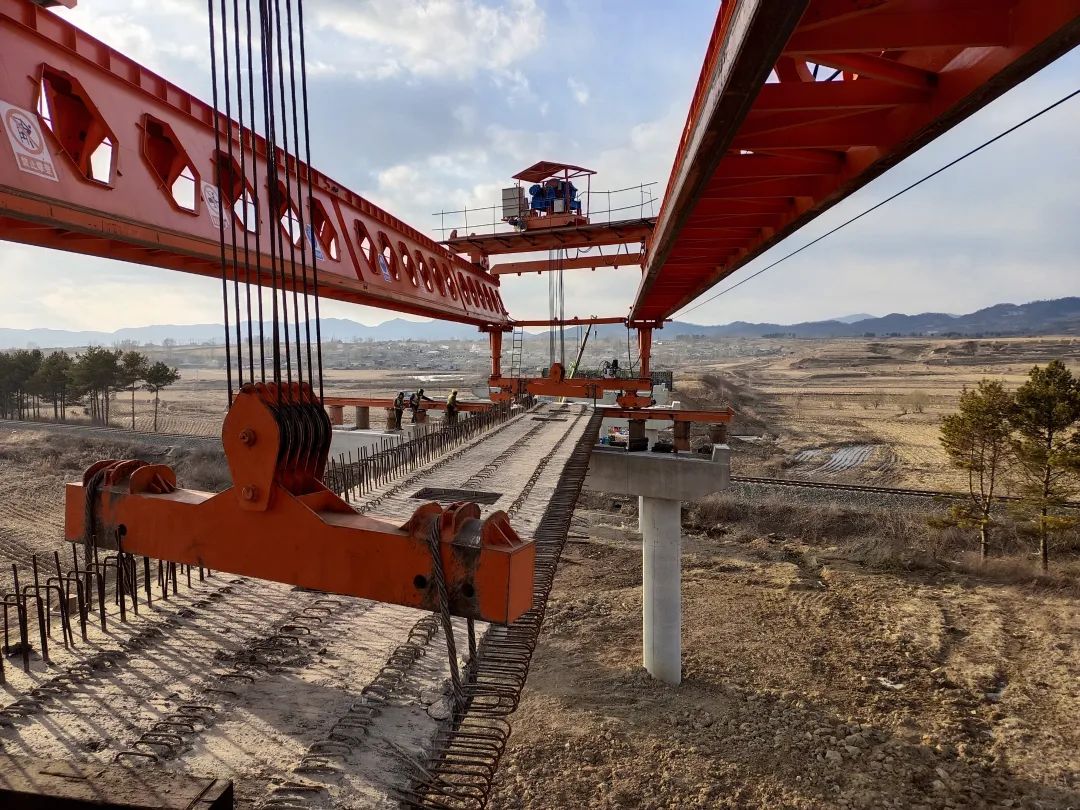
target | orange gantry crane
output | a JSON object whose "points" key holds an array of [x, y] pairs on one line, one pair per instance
{"points": [[799, 103]]}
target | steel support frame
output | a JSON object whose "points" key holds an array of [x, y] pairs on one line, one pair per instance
{"points": [[133, 216]]}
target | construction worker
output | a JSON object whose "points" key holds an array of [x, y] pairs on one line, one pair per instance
{"points": [[399, 409], [417, 400], [451, 408]]}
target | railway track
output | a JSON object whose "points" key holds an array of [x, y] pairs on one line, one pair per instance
{"points": [[868, 488]]}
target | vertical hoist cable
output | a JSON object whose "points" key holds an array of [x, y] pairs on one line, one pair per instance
{"points": [[286, 288], [255, 196], [310, 221], [311, 193], [242, 194], [243, 173], [221, 209]]}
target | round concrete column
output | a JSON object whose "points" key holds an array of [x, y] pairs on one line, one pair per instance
{"points": [[661, 592], [363, 417]]}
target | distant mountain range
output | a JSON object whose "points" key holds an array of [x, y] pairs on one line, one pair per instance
{"points": [[1060, 316]]}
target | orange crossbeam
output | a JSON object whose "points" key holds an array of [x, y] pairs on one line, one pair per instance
{"points": [[709, 417], [575, 263], [103, 145], [571, 322], [279, 522], [375, 402]]}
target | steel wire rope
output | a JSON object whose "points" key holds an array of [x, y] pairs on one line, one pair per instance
{"points": [[288, 199], [255, 194], [276, 247], [243, 173], [243, 194], [310, 201], [221, 211], [307, 158], [887, 200]]}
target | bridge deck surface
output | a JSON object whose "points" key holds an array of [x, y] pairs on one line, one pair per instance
{"points": [[280, 715]]}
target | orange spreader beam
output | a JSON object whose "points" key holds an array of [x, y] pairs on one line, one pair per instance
{"points": [[801, 102], [100, 156], [279, 522]]}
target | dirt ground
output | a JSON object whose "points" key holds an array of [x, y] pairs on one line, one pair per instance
{"points": [[864, 410], [809, 681]]}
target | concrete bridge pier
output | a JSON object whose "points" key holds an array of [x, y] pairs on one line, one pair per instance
{"points": [[363, 417], [662, 481]]}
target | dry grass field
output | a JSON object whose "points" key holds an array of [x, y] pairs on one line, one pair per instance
{"points": [[865, 410], [824, 665]]}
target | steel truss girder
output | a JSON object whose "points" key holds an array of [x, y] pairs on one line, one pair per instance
{"points": [[133, 217], [775, 153]]}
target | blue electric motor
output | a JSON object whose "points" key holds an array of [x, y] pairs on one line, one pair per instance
{"points": [[542, 197]]}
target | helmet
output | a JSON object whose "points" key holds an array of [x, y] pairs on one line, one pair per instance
{"points": [[454, 391]]}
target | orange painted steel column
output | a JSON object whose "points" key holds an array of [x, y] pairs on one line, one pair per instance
{"points": [[644, 337], [496, 353]]}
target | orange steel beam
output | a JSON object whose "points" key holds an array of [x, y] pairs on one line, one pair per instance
{"points": [[559, 385], [570, 322], [53, 195], [279, 522], [714, 417], [570, 237], [770, 154], [376, 402], [576, 263]]}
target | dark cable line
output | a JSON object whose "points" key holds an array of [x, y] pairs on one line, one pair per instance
{"points": [[243, 191], [255, 196], [311, 194], [310, 222], [887, 200], [286, 288], [272, 181], [243, 173], [221, 211]]}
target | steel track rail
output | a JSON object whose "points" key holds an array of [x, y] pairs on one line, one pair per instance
{"points": [[893, 491], [464, 758]]}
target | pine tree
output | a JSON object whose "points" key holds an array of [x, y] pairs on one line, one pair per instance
{"points": [[1046, 419], [133, 368], [159, 376], [977, 439]]}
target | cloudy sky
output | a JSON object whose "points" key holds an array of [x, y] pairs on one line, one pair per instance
{"points": [[429, 105]]}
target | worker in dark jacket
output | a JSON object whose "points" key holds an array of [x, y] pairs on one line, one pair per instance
{"points": [[417, 400], [399, 409], [452, 408]]}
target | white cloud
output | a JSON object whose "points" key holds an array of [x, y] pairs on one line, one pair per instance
{"points": [[433, 38], [579, 91]]}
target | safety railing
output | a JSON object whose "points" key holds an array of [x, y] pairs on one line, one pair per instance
{"points": [[488, 219], [353, 474]]}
